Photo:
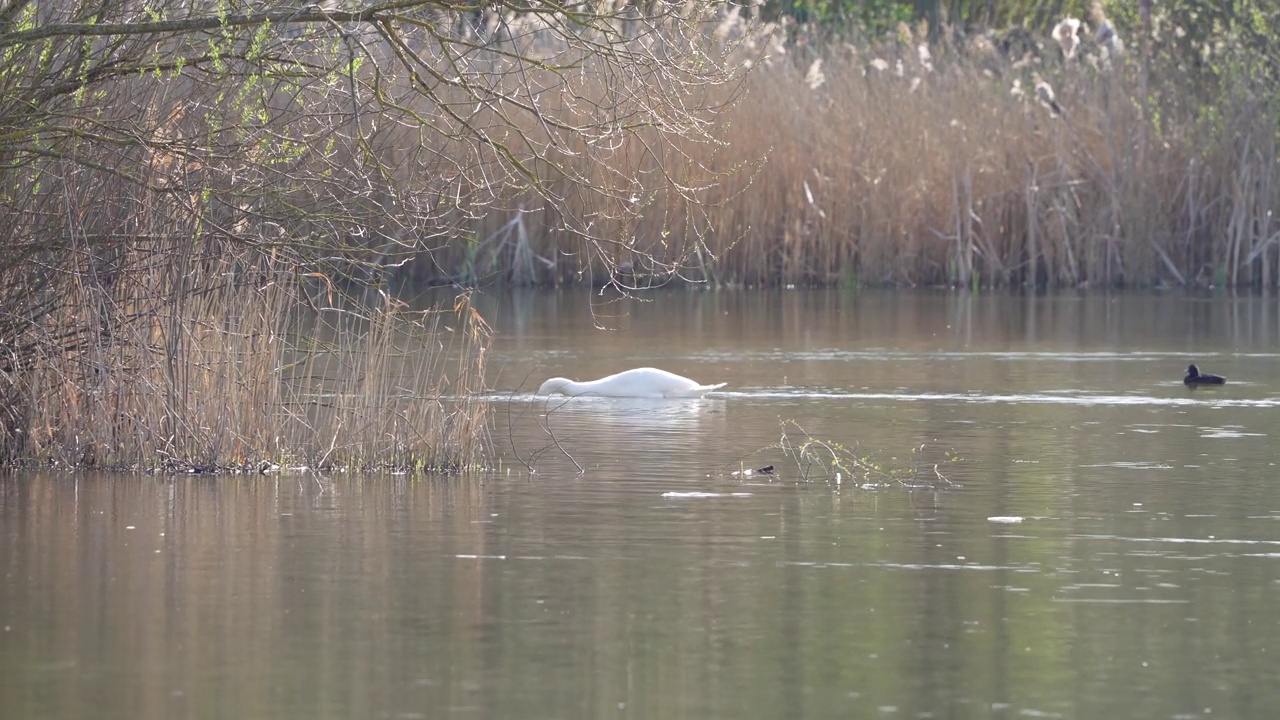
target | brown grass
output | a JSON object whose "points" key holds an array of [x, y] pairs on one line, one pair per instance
{"points": [[247, 373], [950, 175]]}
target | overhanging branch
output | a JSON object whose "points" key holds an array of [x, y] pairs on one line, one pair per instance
{"points": [[307, 14]]}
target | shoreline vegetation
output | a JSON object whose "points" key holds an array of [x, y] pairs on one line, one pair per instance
{"points": [[205, 203], [258, 374], [908, 162]]}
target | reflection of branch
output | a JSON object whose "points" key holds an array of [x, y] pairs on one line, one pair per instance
{"points": [[839, 462], [546, 427]]}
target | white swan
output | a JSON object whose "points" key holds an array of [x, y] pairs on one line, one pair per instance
{"points": [[638, 383]]}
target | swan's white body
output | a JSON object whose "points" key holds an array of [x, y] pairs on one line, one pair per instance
{"points": [[637, 383]]}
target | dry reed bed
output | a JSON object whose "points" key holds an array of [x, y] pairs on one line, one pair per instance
{"points": [[202, 356], [175, 299], [247, 374], [954, 175]]}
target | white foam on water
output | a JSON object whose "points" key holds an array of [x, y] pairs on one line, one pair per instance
{"points": [[674, 494]]}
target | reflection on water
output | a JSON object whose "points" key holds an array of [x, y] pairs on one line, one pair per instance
{"points": [[1109, 547]]}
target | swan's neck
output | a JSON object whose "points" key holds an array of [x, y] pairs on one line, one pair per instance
{"points": [[558, 385]]}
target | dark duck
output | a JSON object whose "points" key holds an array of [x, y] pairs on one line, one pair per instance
{"points": [[1195, 377]]}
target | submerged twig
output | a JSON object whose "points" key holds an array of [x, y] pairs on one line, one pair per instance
{"points": [[838, 463], [546, 427]]}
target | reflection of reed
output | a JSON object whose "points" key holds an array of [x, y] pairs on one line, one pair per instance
{"points": [[685, 332], [145, 598]]}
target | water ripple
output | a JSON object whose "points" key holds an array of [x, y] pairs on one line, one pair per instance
{"points": [[1045, 398], [675, 407], [1194, 541], [881, 354]]}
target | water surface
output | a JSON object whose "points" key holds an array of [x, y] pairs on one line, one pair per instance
{"points": [[1107, 546]]}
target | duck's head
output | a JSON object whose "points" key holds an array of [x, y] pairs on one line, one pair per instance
{"points": [[1193, 371]]}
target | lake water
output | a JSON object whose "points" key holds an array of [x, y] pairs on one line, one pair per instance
{"points": [[1107, 545]]}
